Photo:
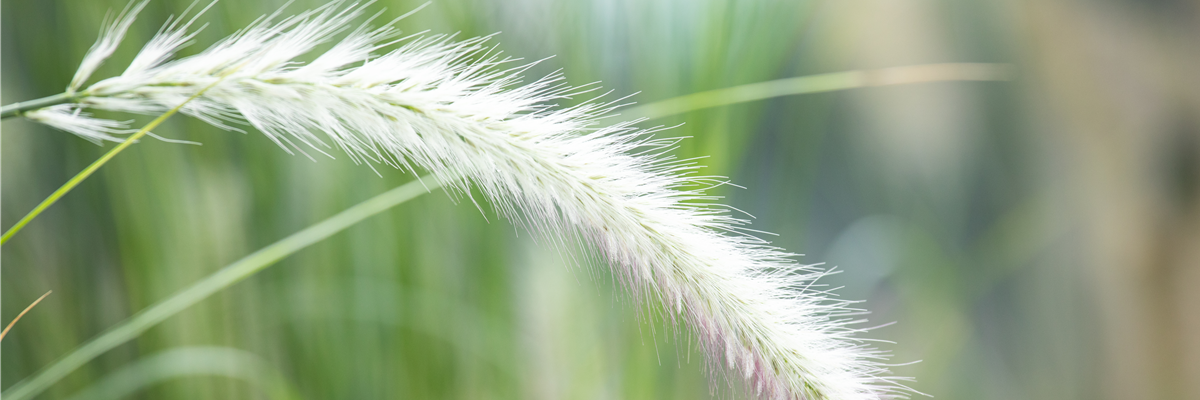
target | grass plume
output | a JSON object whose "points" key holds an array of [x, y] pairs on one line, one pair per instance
{"points": [[458, 108]]}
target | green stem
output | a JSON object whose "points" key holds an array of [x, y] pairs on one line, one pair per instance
{"points": [[233, 273], [820, 83], [75, 180], [15, 109]]}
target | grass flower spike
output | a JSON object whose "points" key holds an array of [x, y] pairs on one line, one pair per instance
{"points": [[454, 107]]}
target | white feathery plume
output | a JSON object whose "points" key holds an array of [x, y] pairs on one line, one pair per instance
{"points": [[449, 106], [71, 118], [111, 33]]}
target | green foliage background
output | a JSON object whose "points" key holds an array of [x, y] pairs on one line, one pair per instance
{"points": [[952, 208]]}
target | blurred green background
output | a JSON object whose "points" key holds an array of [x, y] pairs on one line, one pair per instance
{"points": [[1034, 239]]}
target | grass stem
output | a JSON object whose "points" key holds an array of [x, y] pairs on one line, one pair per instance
{"points": [[75, 180], [22, 314], [820, 83], [15, 109]]}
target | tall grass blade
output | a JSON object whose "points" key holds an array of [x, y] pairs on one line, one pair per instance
{"points": [[821, 83], [75, 180], [233, 273]]}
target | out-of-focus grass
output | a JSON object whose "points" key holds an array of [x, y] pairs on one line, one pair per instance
{"points": [[220, 280], [944, 203]]}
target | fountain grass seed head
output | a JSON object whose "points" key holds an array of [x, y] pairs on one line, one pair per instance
{"points": [[455, 107]]}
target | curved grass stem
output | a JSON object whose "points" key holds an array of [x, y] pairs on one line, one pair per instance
{"points": [[819, 84], [75, 180], [225, 277], [22, 314]]}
